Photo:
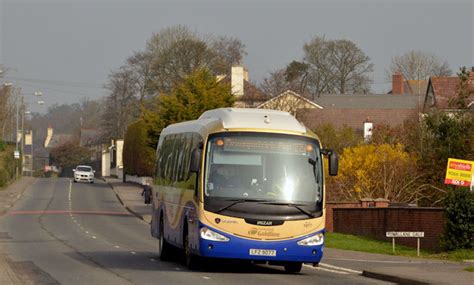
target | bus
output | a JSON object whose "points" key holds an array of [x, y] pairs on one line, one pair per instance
{"points": [[243, 184]]}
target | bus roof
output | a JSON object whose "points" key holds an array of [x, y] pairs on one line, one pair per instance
{"points": [[239, 118]]}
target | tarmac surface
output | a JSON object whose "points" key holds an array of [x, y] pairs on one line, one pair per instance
{"points": [[59, 232]]}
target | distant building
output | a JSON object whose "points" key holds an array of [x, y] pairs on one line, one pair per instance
{"points": [[54, 140], [443, 89]]}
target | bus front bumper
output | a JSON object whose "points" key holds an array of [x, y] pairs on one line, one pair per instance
{"points": [[258, 250]]}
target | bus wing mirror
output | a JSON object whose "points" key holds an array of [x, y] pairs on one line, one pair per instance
{"points": [[195, 160], [333, 161]]}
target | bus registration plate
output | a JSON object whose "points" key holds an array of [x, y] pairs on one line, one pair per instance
{"points": [[263, 252]]}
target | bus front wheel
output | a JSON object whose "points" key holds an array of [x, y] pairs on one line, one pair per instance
{"points": [[164, 247], [293, 267], [191, 259]]}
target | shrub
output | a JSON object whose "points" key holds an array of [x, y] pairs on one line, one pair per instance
{"points": [[138, 155], [459, 209], [375, 171], [3, 146]]}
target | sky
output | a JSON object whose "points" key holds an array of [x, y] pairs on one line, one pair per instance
{"points": [[66, 49]]}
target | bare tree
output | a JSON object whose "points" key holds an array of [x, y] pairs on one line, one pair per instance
{"points": [[230, 51], [276, 83], [418, 65], [337, 66], [120, 106], [176, 52]]}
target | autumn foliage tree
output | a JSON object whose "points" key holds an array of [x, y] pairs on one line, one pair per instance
{"points": [[70, 155]]}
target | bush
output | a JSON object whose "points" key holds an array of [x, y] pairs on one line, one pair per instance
{"points": [[138, 155], [375, 171], [4, 177], [3, 146], [459, 209]]}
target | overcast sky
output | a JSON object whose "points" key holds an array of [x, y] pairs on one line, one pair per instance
{"points": [[67, 48]]}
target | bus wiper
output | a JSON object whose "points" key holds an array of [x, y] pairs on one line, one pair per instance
{"points": [[294, 205], [238, 201]]}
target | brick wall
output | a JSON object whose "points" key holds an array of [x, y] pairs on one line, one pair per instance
{"points": [[375, 222], [329, 211]]}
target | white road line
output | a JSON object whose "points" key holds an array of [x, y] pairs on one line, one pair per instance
{"points": [[325, 269], [117, 246], [340, 268], [207, 278], [94, 237], [133, 252], [386, 261]]}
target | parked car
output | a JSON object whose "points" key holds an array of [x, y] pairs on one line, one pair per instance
{"points": [[84, 173]]}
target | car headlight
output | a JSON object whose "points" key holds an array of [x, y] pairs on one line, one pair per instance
{"points": [[317, 239], [208, 234]]}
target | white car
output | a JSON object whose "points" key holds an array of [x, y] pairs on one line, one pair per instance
{"points": [[84, 173]]}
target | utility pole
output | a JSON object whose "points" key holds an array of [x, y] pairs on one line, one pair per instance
{"points": [[16, 135]]}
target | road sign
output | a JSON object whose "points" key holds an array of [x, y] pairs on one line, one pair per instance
{"points": [[416, 235], [459, 172], [404, 234], [16, 154]]}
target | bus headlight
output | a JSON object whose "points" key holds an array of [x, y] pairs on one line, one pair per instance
{"points": [[208, 234], [317, 239]]}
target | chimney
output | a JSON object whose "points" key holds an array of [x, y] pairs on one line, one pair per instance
{"points": [[397, 84], [237, 78]]}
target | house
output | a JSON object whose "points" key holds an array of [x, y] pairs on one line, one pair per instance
{"points": [[247, 95], [290, 102], [54, 140], [441, 90], [407, 87], [352, 110]]}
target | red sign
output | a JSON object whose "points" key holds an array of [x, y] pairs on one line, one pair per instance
{"points": [[460, 166]]}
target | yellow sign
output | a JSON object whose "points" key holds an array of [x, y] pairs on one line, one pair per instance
{"points": [[459, 172]]}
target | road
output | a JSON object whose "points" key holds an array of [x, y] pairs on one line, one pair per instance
{"points": [[77, 233]]}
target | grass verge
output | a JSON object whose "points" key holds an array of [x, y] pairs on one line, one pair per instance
{"points": [[365, 244], [469, 269]]}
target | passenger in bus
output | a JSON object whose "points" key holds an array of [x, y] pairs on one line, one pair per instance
{"points": [[225, 176]]}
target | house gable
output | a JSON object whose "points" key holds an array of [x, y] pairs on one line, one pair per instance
{"points": [[290, 102]]}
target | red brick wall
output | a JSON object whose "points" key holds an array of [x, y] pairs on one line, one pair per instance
{"points": [[375, 222], [329, 211]]}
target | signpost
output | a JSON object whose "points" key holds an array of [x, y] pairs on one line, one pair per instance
{"points": [[460, 173], [416, 235]]}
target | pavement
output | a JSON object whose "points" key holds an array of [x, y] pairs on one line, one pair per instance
{"points": [[8, 269], [129, 194], [395, 269]]}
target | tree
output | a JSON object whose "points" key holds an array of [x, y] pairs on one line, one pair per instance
{"points": [[297, 74], [138, 155], [199, 92], [230, 51], [460, 101], [418, 65], [120, 106], [336, 66], [176, 52], [276, 83], [70, 154], [377, 171]]}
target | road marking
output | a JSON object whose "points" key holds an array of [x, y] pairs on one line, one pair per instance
{"points": [[207, 278], [117, 246], [177, 268], [386, 261], [94, 237], [325, 269], [87, 232], [133, 252], [340, 268], [152, 260], [58, 212]]}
